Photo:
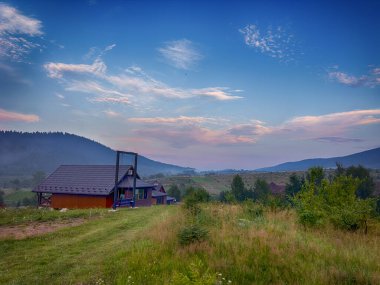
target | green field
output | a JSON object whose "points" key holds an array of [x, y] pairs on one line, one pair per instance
{"points": [[141, 246], [215, 183]]}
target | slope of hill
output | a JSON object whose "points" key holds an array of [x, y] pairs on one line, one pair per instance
{"points": [[22, 154], [369, 159]]}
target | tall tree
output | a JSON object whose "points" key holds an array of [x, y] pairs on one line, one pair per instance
{"points": [[293, 186], [238, 188], [261, 190], [175, 192], [315, 175], [366, 185]]}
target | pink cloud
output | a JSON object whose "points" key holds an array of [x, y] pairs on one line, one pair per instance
{"points": [[185, 131], [13, 116]]}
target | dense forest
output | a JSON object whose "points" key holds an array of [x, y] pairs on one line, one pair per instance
{"points": [[22, 154]]}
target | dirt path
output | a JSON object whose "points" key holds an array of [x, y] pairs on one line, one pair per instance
{"points": [[35, 228]]}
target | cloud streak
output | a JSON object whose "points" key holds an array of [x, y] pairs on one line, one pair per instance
{"points": [[133, 84], [181, 54], [58, 69], [372, 79], [276, 43], [6, 116], [183, 131], [15, 31]]}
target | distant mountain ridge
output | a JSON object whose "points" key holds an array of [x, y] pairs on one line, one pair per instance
{"points": [[369, 158], [25, 153]]}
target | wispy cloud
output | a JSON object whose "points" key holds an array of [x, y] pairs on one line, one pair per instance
{"points": [[181, 54], [183, 131], [16, 30], [60, 96], [96, 52], [334, 122], [56, 70], [94, 78], [338, 140], [182, 120], [20, 117], [372, 79], [276, 43], [111, 114]]}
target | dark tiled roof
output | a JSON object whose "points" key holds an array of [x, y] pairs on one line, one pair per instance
{"points": [[158, 194], [83, 179], [159, 187]]}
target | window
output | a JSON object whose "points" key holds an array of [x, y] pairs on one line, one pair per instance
{"points": [[141, 194]]}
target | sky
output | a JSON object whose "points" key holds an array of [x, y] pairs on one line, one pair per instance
{"points": [[204, 84]]}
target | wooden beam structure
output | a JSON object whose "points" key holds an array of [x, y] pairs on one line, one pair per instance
{"points": [[116, 189]]}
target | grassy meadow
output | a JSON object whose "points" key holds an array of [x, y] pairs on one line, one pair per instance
{"points": [[141, 246]]}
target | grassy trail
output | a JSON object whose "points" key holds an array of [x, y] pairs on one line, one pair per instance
{"points": [[77, 254]]}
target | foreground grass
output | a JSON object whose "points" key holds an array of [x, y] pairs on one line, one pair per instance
{"points": [[140, 246], [271, 249], [76, 255]]}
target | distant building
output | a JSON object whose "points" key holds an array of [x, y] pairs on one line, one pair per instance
{"points": [[93, 186], [277, 189]]}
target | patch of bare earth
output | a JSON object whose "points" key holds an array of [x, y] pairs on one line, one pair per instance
{"points": [[34, 228]]}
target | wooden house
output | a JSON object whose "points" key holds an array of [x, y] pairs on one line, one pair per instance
{"points": [[93, 186]]}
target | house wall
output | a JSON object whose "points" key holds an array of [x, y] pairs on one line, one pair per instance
{"points": [[142, 202], [154, 201], [80, 201], [147, 201]]}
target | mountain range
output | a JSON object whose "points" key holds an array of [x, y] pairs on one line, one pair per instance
{"points": [[22, 154], [369, 159]]}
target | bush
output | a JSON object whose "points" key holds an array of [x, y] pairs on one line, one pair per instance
{"points": [[227, 197], [353, 216], [195, 274], [191, 204], [309, 206], [253, 210], [197, 194], [335, 202], [192, 233]]}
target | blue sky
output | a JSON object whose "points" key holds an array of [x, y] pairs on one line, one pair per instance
{"points": [[207, 84]]}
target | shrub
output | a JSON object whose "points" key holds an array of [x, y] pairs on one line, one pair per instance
{"points": [[335, 202], [253, 210], [197, 194], [353, 216], [227, 197], [195, 274], [191, 204], [192, 233], [309, 206]]}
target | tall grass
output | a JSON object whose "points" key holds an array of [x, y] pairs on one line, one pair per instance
{"points": [[244, 246], [14, 216], [252, 249]]}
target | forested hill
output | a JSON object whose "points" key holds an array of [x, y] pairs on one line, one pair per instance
{"points": [[25, 153], [369, 158]]}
